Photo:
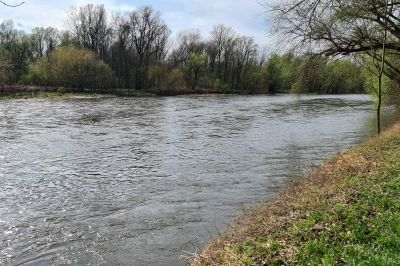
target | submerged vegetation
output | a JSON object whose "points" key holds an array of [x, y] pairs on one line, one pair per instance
{"points": [[135, 52], [344, 212]]}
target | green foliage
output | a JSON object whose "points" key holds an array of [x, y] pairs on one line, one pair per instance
{"points": [[370, 74], [258, 81], [282, 72], [4, 71], [392, 94], [158, 76], [225, 62], [217, 85], [16, 47], [343, 77], [176, 79], [366, 231], [312, 75], [257, 246], [71, 67], [195, 69]]}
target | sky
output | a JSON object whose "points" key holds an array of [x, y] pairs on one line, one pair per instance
{"points": [[247, 17]]}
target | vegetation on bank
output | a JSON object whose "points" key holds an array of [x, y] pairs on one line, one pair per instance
{"points": [[134, 52], [45, 92], [346, 212], [71, 68]]}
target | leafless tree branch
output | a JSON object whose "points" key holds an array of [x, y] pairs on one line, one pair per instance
{"points": [[6, 4]]}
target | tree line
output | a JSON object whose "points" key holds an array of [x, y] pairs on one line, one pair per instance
{"points": [[367, 31], [134, 51]]}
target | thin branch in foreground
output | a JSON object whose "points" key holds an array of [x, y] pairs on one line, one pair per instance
{"points": [[4, 3]]}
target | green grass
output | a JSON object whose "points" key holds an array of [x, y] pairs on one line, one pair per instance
{"points": [[347, 212]]}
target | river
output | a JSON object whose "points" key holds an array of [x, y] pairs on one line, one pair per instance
{"points": [[143, 181]]}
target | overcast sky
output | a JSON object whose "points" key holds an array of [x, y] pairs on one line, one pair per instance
{"points": [[245, 16]]}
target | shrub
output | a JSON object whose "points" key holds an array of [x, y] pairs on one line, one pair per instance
{"points": [[71, 67]]}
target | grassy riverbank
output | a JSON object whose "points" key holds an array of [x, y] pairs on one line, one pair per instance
{"points": [[346, 212]]}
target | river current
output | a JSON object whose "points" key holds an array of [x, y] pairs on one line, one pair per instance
{"points": [[144, 181]]}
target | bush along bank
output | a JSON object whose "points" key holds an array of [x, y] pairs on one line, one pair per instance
{"points": [[346, 212]]}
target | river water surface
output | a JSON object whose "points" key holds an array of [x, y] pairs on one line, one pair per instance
{"points": [[143, 181]]}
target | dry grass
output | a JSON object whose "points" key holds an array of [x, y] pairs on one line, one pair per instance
{"points": [[309, 221]]}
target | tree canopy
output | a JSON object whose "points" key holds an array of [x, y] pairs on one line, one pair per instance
{"points": [[135, 50], [336, 27]]}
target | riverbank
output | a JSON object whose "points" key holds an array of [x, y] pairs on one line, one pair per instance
{"points": [[56, 95], [45, 92], [28, 91], [344, 212]]}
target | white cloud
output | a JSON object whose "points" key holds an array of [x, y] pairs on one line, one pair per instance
{"points": [[245, 16], [50, 13]]}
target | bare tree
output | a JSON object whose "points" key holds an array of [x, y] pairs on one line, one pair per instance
{"points": [[45, 40], [91, 29], [245, 54], [16, 46], [382, 67], [336, 27], [149, 35], [221, 37], [188, 42], [262, 56], [121, 56], [38, 34], [354, 27]]}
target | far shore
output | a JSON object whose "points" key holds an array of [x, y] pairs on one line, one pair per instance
{"points": [[48, 92], [56, 96]]}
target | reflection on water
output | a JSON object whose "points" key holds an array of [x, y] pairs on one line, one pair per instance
{"points": [[143, 181]]}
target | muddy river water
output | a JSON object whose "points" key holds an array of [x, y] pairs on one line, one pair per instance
{"points": [[144, 181]]}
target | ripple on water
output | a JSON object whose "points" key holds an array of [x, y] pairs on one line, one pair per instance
{"points": [[145, 180]]}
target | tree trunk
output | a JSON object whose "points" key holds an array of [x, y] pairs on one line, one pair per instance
{"points": [[381, 71], [379, 115]]}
